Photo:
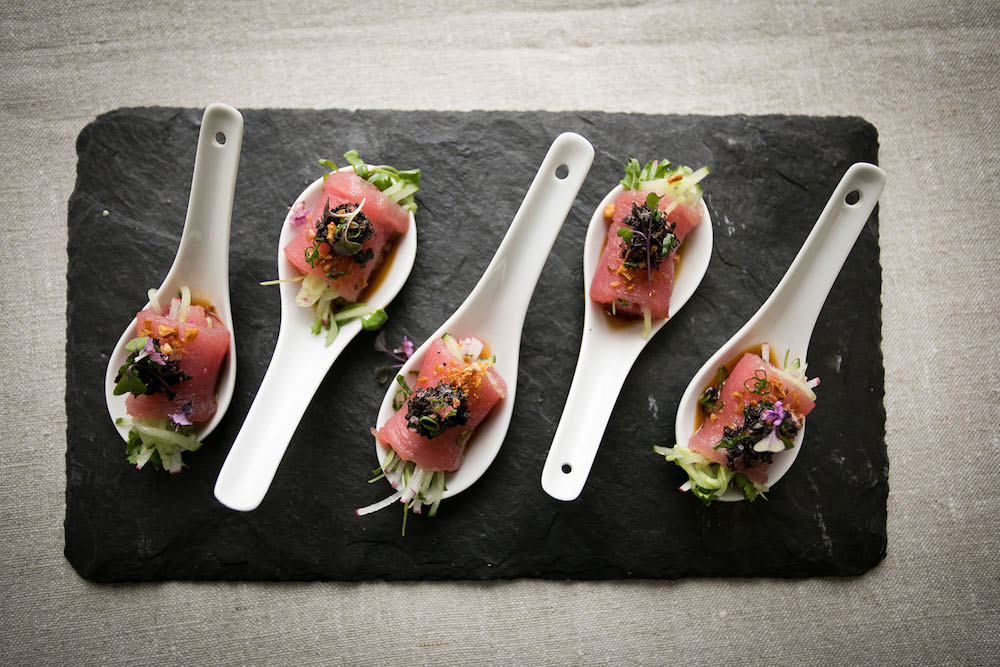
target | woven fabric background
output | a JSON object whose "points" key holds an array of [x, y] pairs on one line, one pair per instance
{"points": [[927, 74]]}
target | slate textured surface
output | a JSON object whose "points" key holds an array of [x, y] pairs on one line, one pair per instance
{"points": [[770, 178]]}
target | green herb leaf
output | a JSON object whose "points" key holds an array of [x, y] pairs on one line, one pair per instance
{"points": [[411, 176], [653, 200], [129, 382], [632, 170], [329, 164], [374, 321], [625, 233], [136, 344], [360, 168], [345, 248]]}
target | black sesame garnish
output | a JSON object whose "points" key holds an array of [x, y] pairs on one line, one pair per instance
{"points": [[649, 237], [432, 410]]}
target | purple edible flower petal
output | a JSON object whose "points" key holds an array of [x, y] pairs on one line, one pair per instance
{"points": [[772, 443], [149, 350], [775, 415], [180, 419], [299, 214]]}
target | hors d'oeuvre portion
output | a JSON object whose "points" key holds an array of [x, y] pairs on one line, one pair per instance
{"points": [[748, 415], [348, 234], [455, 389], [649, 220], [170, 377]]}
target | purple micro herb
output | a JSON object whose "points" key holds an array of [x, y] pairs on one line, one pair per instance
{"points": [[400, 354], [406, 348]]}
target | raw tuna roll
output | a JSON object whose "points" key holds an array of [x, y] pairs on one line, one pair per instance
{"points": [[343, 245], [171, 375], [198, 344], [456, 388], [750, 414], [349, 233], [649, 221]]}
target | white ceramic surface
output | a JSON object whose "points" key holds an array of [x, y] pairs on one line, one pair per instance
{"points": [[299, 364], [495, 309], [787, 318], [202, 261], [608, 350]]}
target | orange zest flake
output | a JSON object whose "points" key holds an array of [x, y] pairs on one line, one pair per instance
{"points": [[190, 333], [713, 417], [165, 331], [676, 177], [467, 379], [777, 387], [422, 378], [626, 274], [617, 283], [609, 211], [165, 348]]}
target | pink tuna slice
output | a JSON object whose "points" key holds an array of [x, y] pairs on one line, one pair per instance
{"points": [[443, 452], [653, 291], [201, 358], [389, 219], [731, 414]]}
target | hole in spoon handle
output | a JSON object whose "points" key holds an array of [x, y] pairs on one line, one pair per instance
{"points": [[797, 300], [597, 381], [203, 255]]}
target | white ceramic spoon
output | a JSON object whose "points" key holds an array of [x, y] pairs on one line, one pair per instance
{"points": [[298, 366], [202, 261], [787, 318], [495, 309], [607, 352]]}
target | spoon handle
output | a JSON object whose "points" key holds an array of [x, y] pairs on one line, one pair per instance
{"points": [[601, 371], [522, 253], [203, 255], [291, 380], [793, 308]]}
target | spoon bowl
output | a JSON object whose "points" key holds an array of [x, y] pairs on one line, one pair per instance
{"points": [[202, 261], [608, 350], [787, 318], [300, 362], [495, 309]]}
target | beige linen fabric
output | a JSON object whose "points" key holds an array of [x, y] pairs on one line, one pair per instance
{"points": [[925, 73]]}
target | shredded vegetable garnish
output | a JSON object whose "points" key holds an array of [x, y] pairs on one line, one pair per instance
{"points": [[415, 487]]}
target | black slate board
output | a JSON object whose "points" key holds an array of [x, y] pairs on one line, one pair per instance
{"points": [[770, 178]]}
